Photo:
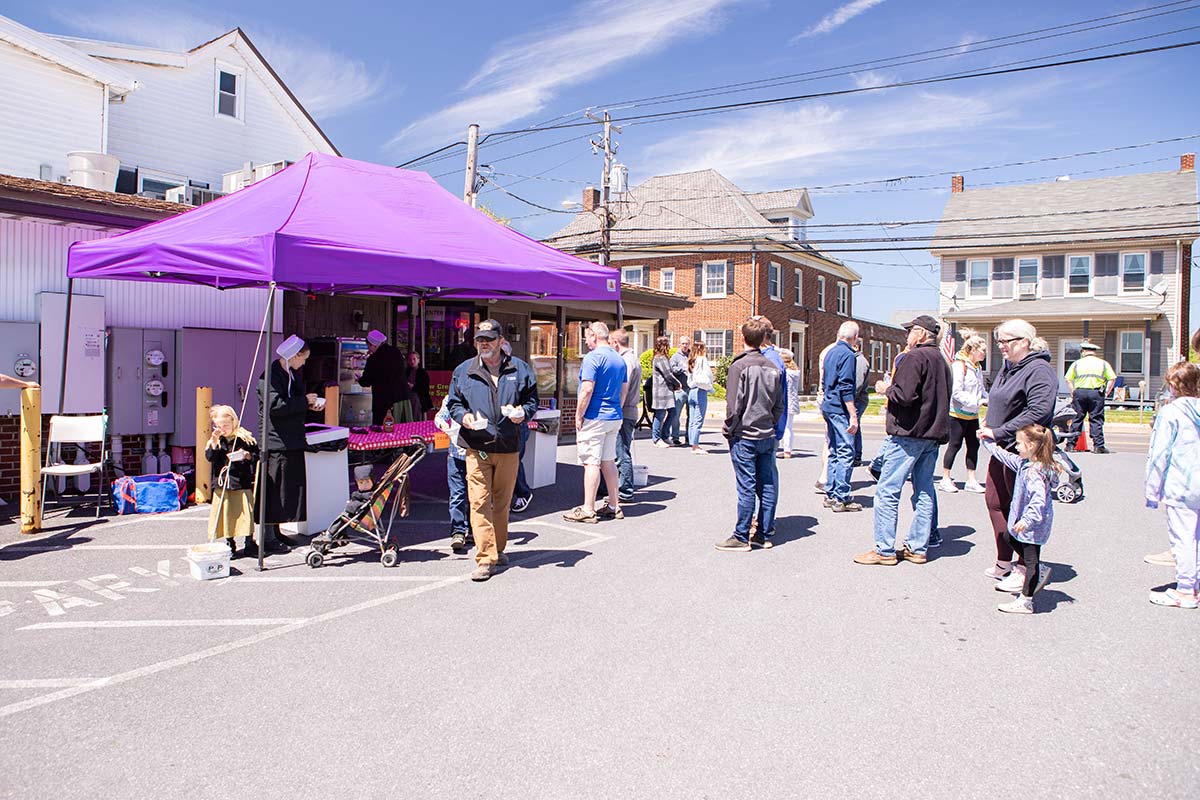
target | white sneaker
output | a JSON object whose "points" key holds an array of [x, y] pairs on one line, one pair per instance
{"points": [[974, 486], [1021, 605], [1013, 583], [947, 485], [996, 572], [1163, 559]]}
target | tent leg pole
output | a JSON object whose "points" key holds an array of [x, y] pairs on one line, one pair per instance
{"points": [[560, 361], [265, 429], [62, 378]]}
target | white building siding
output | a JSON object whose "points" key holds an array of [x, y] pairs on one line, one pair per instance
{"points": [[169, 123], [45, 113], [33, 259]]}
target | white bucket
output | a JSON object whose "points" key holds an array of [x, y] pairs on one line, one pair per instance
{"points": [[209, 561], [93, 170], [641, 474]]}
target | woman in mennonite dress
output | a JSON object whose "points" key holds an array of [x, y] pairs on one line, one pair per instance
{"points": [[285, 474]]}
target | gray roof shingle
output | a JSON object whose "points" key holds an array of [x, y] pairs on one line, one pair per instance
{"points": [[1156, 205]]}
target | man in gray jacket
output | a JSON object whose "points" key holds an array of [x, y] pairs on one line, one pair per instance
{"points": [[754, 406]]}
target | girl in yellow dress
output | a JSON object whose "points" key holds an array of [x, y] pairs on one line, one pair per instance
{"points": [[233, 454]]}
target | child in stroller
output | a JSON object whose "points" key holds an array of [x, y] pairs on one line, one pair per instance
{"points": [[1066, 484]]}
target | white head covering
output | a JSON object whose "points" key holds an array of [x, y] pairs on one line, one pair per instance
{"points": [[376, 338], [290, 347]]}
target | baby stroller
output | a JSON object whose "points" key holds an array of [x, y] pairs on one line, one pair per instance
{"points": [[1066, 485], [365, 522]]}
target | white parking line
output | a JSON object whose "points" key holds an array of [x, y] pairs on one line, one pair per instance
{"points": [[28, 584], [334, 578], [164, 623], [46, 683]]}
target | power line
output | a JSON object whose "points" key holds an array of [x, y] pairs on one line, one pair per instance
{"points": [[523, 200]]}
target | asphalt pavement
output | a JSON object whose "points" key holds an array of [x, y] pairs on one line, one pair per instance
{"points": [[628, 658]]}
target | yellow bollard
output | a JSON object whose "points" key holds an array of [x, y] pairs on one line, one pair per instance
{"points": [[31, 460], [331, 405], [203, 431]]}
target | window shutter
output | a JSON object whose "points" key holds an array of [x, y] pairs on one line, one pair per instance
{"points": [[729, 276], [1155, 353], [697, 336], [728, 343], [645, 276], [1110, 348], [1156, 262], [699, 279], [960, 271]]}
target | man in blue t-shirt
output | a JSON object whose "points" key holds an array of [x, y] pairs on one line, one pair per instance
{"points": [[603, 382]]}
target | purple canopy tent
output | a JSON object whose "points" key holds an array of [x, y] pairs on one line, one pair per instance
{"points": [[333, 225]]}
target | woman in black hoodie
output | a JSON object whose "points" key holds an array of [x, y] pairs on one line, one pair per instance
{"points": [[1022, 394]]}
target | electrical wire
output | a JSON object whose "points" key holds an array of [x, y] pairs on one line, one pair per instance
{"points": [[523, 200]]}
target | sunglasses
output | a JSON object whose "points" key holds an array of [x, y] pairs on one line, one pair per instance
{"points": [[1010, 341]]}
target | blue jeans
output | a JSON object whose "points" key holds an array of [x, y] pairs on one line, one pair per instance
{"points": [[841, 455], [661, 426], [456, 479], [697, 408], [681, 402], [624, 457], [757, 479], [522, 488], [905, 457], [859, 407]]}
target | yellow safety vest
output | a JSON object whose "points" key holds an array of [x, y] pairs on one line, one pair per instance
{"points": [[1090, 372]]}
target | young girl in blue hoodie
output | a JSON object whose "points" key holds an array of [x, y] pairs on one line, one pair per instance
{"points": [[1031, 514], [1173, 479]]}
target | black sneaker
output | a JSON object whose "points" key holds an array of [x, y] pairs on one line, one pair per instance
{"points": [[733, 544], [288, 541], [279, 546], [761, 542], [519, 504], [625, 498], [1101, 449], [458, 542]]}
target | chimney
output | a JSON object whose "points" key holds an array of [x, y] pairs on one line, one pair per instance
{"points": [[956, 183], [591, 198], [1187, 162]]}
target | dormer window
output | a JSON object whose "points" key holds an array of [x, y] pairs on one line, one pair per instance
{"points": [[230, 91], [790, 224]]}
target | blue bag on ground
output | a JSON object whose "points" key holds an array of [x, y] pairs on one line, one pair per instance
{"points": [[147, 494]]}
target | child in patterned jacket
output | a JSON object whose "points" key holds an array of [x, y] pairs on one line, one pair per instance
{"points": [[1031, 515], [1172, 479]]}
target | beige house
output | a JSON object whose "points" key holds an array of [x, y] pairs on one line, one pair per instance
{"points": [[1108, 260]]}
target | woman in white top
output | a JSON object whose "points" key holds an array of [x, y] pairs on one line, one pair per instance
{"points": [[791, 398], [966, 397], [700, 383]]}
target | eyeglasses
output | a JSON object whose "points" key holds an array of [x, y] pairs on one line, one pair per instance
{"points": [[1010, 341]]}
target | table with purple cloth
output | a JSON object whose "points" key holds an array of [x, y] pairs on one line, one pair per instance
{"points": [[403, 434]]}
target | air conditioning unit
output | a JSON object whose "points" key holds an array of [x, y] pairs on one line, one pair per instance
{"points": [[1027, 291], [177, 194], [267, 170], [192, 195], [249, 173]]}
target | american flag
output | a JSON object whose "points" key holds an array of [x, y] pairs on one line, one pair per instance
{"points": [[948, 345]]}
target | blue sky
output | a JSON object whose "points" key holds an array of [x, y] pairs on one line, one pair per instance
{"points": [[390, 83]]}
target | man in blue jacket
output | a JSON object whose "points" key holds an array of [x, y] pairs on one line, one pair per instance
{"points": [[838, 389], [491, 396]]}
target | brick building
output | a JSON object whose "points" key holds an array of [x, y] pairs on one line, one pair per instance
{"points": [[734, 254]]}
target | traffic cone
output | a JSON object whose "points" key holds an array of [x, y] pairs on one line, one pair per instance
{"points": [[1082, 444]]}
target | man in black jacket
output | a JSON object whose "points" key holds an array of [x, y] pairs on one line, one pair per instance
{"points": [[386, 374], [754, 406], [491, 396], [918, 422]]}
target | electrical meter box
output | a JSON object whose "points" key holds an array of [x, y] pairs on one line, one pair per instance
{"points": [[224, 361], [141, 381], [18, 357]]}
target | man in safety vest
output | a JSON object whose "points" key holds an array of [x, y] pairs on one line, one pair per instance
{"points": [[1091, 379]]}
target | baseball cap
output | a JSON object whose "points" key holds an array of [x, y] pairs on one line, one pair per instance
{"points": [[925, 322], [488, 329]]}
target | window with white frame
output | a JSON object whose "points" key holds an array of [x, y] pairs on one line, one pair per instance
{"points": [[820, 293], [774, 280], [799, 288], [979, 272], [155, 184], [787, 223], [229, 100], [887, 365], [843, 306], [876, 356], [1079, 275], [1027, 277], [666, 279], [1133, 273], [714, 279], [714, 344], [633, 275], [1130, 356]]}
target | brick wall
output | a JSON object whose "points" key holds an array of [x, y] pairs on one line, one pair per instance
{"points": [[729, 312]]}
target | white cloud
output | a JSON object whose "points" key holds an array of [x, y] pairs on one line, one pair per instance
{"points": [[326, 82], [839, 17], [524, 74], [872, 78], [758, 147]]}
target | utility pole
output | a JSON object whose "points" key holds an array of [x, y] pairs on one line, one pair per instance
{"points": [[469, 194], [606, 219]]}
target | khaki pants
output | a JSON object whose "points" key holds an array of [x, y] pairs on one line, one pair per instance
{"points": [[490, 483]]}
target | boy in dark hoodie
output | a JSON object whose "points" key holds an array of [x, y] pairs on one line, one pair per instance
{"points": [[754, 406]]}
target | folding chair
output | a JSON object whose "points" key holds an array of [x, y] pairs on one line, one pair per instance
{"points": [[75, 430]]}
